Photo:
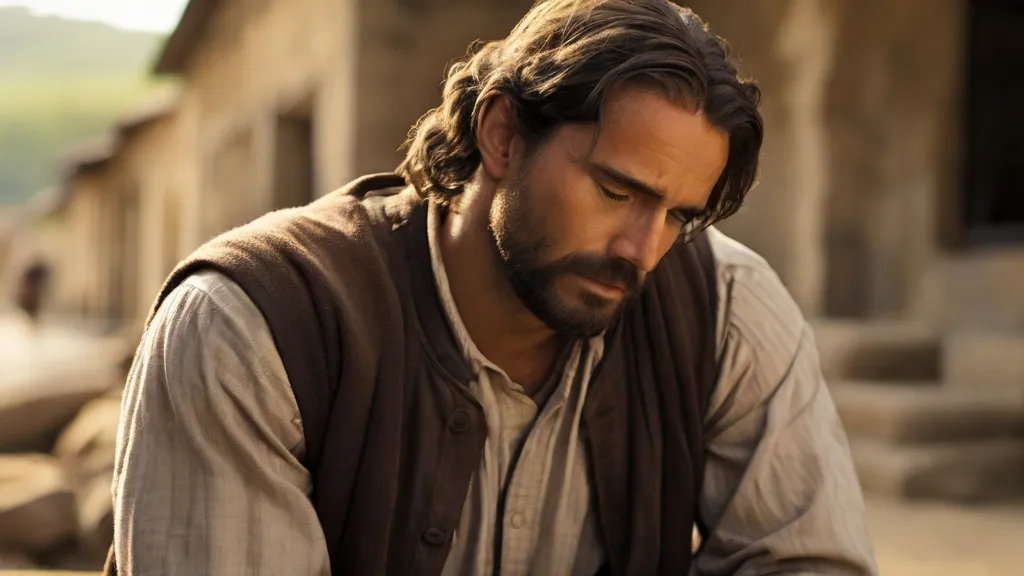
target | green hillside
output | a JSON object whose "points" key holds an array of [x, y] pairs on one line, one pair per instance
{"points": [[62, 81]]}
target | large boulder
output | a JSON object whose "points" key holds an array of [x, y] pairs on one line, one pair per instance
{"points": [[87, 444], [86, 448], [36, 405], [37, 503]]}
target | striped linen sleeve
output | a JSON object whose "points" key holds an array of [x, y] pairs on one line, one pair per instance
{"points": [[208, 478]]}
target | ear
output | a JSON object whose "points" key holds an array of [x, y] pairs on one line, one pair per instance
{"points": [[495, 134]]}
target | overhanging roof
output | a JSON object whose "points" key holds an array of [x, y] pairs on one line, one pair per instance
{"points": [[82, 158], [89, 155], [151, 111], [181, 44], [45, 202]]}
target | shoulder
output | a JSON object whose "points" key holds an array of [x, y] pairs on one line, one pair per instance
{"points": [[336, 230], [209, 306], [217, 296], [315, 273], [210, 333], [336, 241], [763, 338], [208, 352], [754, 304]]}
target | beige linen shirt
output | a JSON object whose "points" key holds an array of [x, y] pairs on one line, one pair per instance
{"points": [[209, 479]]}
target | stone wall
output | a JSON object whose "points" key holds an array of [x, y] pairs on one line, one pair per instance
{"points": [[405, 48]]}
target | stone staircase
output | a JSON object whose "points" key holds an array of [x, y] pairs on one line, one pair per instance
{"points": [[979, 289], [929, 416]]}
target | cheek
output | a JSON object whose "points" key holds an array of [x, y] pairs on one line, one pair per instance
{"points": [[566, 204]]}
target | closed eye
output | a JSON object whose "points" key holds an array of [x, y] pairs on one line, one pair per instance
{"points": [[612, 195]]}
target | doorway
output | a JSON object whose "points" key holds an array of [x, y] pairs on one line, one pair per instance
{"points": [[992, 194], [294, 170]]}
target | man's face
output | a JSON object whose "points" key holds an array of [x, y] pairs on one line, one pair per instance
{"points": [[578, 227]]}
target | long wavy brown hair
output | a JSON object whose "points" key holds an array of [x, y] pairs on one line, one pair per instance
{"points": [[557, 66]]}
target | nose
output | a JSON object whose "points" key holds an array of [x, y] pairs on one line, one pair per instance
{"points": [[641, 241]]}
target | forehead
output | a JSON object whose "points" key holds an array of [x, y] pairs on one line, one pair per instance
{"points": [[662, 143]]}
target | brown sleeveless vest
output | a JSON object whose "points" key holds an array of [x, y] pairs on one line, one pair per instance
{"points": [[393, 435]]}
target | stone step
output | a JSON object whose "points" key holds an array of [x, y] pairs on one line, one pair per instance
{"points": [[963, 472], [877, 350], [979, 289], [921, 414], [979, 359]]}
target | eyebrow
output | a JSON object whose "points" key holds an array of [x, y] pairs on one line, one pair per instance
{"points": [[627, 181]]}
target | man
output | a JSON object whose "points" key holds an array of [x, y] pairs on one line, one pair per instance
{"points": [[526, 353], [31, 292]]}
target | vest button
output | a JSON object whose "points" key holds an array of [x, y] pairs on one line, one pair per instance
{"points": [[460, 421], [434, 536], [518, 520]]}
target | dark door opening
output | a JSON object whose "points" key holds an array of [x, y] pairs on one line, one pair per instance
{"points": [[294, 178], [992, 197]]}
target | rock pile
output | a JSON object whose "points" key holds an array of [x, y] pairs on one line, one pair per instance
{"points": [[57, 443]]}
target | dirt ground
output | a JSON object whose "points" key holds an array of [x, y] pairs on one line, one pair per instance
{"points": [[26, 355], [943, 540]]}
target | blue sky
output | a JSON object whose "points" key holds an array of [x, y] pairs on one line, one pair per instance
{"points": [[148, 15]]}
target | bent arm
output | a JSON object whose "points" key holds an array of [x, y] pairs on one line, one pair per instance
{"points": [[780, 493], [208, 478]]}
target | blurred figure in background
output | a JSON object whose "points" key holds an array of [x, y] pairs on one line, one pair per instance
{"points": [[31, 291]]}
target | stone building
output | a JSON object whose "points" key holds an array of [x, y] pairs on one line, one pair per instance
{"points": [[887, 201]]}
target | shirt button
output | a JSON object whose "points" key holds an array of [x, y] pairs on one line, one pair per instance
{"points": [[518, 520], [460, 421], [434, 536]]}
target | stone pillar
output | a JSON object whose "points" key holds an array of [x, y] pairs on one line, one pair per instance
{"points": [[335, 103], [805, 45]]}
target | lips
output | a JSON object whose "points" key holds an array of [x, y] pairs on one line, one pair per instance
{"points": [[607, 290], [609, 285]]}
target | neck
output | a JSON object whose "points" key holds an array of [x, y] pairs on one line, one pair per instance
{"points": [[502, 328]]}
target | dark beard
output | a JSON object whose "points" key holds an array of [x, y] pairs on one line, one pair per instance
{"points": [[533, 280]]}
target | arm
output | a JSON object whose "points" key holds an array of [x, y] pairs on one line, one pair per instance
{"points": [[208, 478], [780, 493]]}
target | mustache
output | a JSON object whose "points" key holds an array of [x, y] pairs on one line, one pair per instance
{"points": [[612, 271]]}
